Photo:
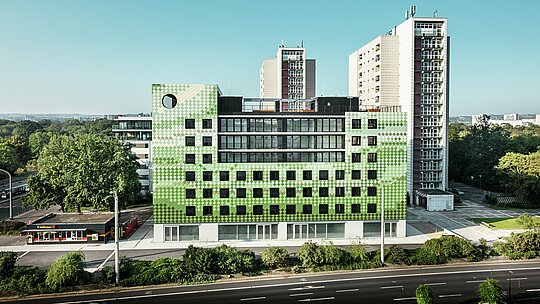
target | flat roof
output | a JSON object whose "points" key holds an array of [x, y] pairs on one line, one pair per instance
{"points": [[76, 218], [433, 192]]}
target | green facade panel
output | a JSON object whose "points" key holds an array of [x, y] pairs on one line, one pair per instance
{"points": [[200, 102]]}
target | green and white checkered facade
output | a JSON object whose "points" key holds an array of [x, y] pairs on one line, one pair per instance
{"points": [[200, 101]]}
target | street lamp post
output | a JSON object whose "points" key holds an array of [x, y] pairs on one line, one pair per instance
{"points": [[382, 224], [510, 287], [116, 246], [480, 181], [10, 194]]}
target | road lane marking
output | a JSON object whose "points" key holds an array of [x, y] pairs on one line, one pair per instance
{"points": [[477, 281], [348, 290], [533, 290], [317, 299], [307, 288], [23, 255], [450, 295], [253, 299], [106, 260], [435, 284], [405, 299], [300, 294], [516, 279], [389, 287]]}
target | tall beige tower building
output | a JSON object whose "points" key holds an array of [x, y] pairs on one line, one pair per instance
{"points": [[409, 68], [289, 75]]}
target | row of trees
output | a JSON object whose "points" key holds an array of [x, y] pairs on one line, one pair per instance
{"points": [[489, 291], [501, 158]]}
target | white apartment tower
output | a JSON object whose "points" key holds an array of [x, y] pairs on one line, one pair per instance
{"points": [[409, 67], [288, 76]]}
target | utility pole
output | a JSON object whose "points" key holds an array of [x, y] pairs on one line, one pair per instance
{"points": [[510, 287], [382, 225], [10, 194], [116, 246]]}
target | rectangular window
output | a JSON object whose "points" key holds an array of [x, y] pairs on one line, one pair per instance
{"points": [[207, 141], [274, 209], [372, 157], [257, 209], [372, 140], [207, 193], [241, 210], [207, 176], [224, 193], [190, 193], [240, 192], [223, 175], [339, 208], [356, 141], [207, 158], [190, 123], [340, 191], [291, 192], [356, 174], [190, 141], [323, 209], [372, 191], [323, 191], [371, 208], [307, 174], [274, 192], [257, 175], [207, 123], [356, 157], [355, 208], [257, 192], [372, 124], [307, 192], [340, 174], [323, 174], [190, 210], [355, 191], [207, 211], [240, 175], [190, 158], [190, 176], [356, 124], [290, 209], [372, 174], [274, 175], [307, 209], [223, 210], [291, 175]]}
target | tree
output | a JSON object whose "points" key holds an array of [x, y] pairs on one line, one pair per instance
{"points": [[84, 170], [490, 292], [37, 141], [8, 157], [66, 272], [274, 257], [522, 174], [7, 264], [424, 294], [20, 145]]}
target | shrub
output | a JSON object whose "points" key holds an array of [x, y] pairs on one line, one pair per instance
{"points": [[424, 294], [527, 221], [444, 249], [395, 255], [200, 260], [66, 272], [274, 257], [7, 264], [231, 260], [359, 257], [312, 255], [490, 291], [517, 244]]}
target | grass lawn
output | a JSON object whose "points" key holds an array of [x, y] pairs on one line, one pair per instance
{"points": [[502, 223]]}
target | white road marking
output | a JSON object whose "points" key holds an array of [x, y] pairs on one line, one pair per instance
{"points": [[450, 295], [300, 294], [389, 287], [405, 299], [435, 284], [348, 290], [106, 260], [23, 255], [253, 299], [307, 288], [533, 290], [477, 281], [516, 279], [316, 299]]}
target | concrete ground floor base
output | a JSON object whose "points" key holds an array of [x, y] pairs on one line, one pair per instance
{"points": [[277, 231]]}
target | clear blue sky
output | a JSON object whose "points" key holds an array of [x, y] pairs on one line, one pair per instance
{"points": [[100, 57]]}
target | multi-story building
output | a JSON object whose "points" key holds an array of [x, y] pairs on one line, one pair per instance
{"points": [[409, 67], [512, 119], [288, 76], [136, 130], [232, 168]]}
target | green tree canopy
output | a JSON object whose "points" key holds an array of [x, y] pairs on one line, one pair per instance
{"points": [[522, 173], [490, 291], [424, 294], [8, 157], [83, 171], [67, 271]]}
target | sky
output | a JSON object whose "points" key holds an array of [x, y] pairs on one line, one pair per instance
{"points": [[101, 56]]}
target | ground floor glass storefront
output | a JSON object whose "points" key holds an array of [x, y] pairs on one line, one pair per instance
{"points": [[301, 231], [181, 233], [248, 232], [374, 229]]}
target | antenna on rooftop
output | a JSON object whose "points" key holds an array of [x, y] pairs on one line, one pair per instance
{"points": [[406, 14], [436, 13], [413, 10], [281, 43], [302, 43]]}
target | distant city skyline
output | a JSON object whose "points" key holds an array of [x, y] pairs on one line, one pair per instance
{"points": [[101, 57]]}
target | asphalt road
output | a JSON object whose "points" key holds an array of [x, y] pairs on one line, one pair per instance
{"points": [[450, 284]]}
